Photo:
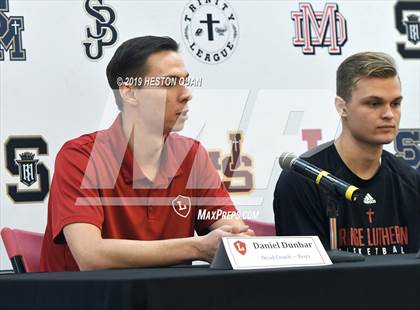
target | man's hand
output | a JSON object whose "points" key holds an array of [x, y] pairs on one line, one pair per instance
{"points": [[207, 244], [248, 233], [236, 223]]}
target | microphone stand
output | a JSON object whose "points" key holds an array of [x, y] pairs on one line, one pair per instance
{"points": [[336, 255]]}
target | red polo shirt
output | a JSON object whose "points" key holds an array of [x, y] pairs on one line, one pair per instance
{"points": [[96, 181]]}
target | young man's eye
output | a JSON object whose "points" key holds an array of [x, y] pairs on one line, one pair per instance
{"points": [[396, 104], [373, 103]]}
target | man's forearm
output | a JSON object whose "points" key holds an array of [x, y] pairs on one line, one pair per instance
{"points": [[119, 253], [91, 251]]}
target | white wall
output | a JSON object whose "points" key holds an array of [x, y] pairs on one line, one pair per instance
{"points": [[58, 93]]}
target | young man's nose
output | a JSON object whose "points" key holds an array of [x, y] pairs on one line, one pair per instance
{"points": [[388, 112]]}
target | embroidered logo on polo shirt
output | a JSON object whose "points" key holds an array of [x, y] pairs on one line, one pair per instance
{"points": [[369, 199], [182, 205]]}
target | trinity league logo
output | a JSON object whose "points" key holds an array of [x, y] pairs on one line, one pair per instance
{"points": [[103, 34], [313, 29], [27, 168], [210, 30], [407, 20], [11, 34]]}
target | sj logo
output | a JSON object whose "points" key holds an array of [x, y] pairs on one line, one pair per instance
{"points": [[240, 247], [182, 205], [324, 29], [104, 33], [11, 34], [237, 169]]}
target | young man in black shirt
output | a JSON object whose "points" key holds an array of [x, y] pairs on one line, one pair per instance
{"points": [[369, 103]]}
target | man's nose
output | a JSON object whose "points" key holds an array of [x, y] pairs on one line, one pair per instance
{"points": [[388, 113]]}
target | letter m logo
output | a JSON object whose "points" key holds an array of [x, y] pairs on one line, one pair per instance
{"points": [[325, 29], [11, 34]]}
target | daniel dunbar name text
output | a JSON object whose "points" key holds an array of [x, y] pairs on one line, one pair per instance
{"points": [[281, 245]]}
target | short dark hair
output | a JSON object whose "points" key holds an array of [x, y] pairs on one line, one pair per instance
{"points": [[363, 65], [130, 59]]}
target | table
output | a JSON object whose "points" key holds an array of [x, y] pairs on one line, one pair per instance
{"points": [[381, 282]]}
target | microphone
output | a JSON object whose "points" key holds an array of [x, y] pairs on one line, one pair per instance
{"points": [[350, 192]]}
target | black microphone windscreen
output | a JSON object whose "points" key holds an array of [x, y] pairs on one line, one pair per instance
{"points": [[286, 160]]}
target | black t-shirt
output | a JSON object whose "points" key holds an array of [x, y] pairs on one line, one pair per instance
{"points": [[389, 222]]}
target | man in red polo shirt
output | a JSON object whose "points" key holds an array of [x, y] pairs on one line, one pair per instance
{"points": [[129, 196]]}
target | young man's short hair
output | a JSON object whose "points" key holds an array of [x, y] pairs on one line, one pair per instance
{"points": [[363, 65], [130, 60]]}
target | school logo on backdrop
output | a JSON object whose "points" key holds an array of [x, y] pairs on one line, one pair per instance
{"points": [[103, 34], [27, 168], [412, 25], [407, 21], [11, 28], [327, 28], [236, 168], [407, 146], [21, 162], [210, 30]]}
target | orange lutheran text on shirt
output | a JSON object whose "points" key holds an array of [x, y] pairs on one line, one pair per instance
{"points": [[373, 236]]}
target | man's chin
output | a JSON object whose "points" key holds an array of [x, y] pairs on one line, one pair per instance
{"points": [[384, 140], [376, 140], [176, 128]]}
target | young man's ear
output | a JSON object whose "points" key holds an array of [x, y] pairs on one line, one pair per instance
{"points": [[340, 106], [128, 94]]}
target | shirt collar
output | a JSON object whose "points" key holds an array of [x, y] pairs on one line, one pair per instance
{"points": [[170, 165]]}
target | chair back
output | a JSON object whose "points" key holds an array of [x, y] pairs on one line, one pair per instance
{"points": [[23, 248]]}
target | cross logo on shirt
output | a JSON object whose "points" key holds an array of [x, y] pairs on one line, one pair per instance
{"points": [[370, 214]]}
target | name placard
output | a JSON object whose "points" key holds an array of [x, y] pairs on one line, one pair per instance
{"points": [[270, 252]]}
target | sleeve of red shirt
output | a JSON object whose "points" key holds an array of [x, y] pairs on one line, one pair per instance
{"points": [[68, 198], [210, 191]]}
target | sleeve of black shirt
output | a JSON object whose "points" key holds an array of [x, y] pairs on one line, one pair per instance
{"points": [[299, 208]]}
